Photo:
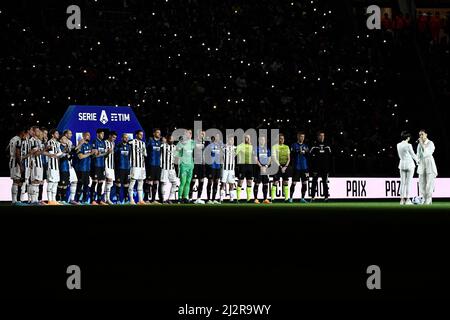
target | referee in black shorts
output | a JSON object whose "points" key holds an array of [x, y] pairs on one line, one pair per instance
{"points": [[320, 165], [244, 153], [262, 159]]}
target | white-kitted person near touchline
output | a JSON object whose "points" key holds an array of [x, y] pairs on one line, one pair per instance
{"points": [[427, 169], [408, 160]]}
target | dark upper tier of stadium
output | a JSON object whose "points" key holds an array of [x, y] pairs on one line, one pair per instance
{"points": [[293, 65]]}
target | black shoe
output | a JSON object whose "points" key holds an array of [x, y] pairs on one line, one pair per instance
{"points": [[325, 200]]}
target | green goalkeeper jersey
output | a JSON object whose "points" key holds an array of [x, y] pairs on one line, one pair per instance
{"points": [[244, 153], [185, 151], [281, 153]]}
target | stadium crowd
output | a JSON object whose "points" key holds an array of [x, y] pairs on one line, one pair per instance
{"points": [[300, 65]]}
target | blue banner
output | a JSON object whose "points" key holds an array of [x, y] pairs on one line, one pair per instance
{"points": [[80, 119]]}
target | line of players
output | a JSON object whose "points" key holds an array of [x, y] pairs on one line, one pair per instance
{"points": [[86, 173]]}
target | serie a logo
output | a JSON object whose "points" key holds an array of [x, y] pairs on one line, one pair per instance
{"points": [[103, 117]]}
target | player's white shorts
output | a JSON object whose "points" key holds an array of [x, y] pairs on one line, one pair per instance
{"points": [[73, 175], [137, 173], [27, 174], [52, 175], [168, 176], [14, 173], [37, 173], [228, 176], [109, 174]]}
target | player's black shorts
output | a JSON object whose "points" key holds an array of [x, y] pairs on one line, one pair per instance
{"points": [[245, 171], [280, 174], [98, 173], [298, 175], [199, 171], [83, 177], [214, 173], [123, 176], [64, 178], [22, 176], [258, 177], [153, 173]]}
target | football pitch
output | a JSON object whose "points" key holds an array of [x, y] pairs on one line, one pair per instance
{"points": [[226, 252]]}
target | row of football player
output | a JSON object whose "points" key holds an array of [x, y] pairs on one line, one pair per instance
{"points": [[84, 168]]}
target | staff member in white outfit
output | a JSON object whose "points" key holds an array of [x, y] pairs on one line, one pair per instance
{"points": [[427, 169], [408, 160]]}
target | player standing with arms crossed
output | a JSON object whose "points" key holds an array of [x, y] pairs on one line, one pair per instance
{"points": [[185, 152], [427, 169], [300, 151], [281, 157], [137, 171], [320, 165]]}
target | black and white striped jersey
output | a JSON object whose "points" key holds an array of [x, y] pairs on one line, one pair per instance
{"points": [[138, 153], [14, 144], [229, 157], [55, 148], [109, 159], [168, 156], [24, 150], [36, 144]]}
